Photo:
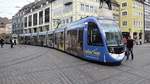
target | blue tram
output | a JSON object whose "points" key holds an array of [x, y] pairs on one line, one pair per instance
{"points": [[92, 38]]}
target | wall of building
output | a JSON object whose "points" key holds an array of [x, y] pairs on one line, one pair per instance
{"points": [[64, 11], [5, 25], [132, 18], [147, 20]]}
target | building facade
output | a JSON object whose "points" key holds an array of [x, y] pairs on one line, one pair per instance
{"points": [[44, 15], [132, 18], [5, 26], [147, 20], [9, 28]]}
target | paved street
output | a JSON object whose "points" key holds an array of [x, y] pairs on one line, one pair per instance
{"points": [[38, 65]]}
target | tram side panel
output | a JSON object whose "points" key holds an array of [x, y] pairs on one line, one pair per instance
{"points": [[27, 40], [56, 40], [45, 41], [34, 40], [60, 40], [50, 40], [40, 42]]}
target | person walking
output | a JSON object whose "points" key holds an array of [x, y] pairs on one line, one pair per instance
{"points": [[11, 43], [124, 41], [130, 44], [15, 43], [140, 39], [2, 43]]}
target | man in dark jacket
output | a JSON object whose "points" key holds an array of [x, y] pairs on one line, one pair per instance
{"points": [[2, 43], [11, 43], [130, 44]]}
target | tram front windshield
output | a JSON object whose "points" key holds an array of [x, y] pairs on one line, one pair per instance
{"points": [[112, 33]]}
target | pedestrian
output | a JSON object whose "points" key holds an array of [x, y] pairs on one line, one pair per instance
{"points": [[140, 41], [11, 43], [124, 40], [140, 38], [15, 43], [130, 44], [2, 43]]}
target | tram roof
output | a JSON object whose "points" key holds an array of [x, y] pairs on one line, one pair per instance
{"points": [[90, 17], [81, 21]]}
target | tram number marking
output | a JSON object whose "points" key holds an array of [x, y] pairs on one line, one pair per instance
{"points": [[88, 52]]}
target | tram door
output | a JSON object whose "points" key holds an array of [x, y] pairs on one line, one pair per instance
{"points": [[93, 43]]}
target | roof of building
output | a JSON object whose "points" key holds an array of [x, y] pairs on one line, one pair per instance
{"points": [[33, 6], [4, 20]]}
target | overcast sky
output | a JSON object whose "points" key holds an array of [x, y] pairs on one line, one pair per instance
{"points": [[8, 8]]}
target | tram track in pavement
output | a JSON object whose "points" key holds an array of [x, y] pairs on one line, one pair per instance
{"points": [[59, 69], [118, 74], [5, 51], [58, 72], [20, 57], [12, 51], [63, 74], [22, 60], [129, 72]]}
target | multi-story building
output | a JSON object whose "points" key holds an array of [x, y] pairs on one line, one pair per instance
{"points": [[5, 26], [132, 18], [18, 19], [147, 20], [9, 27], [44, 15]]}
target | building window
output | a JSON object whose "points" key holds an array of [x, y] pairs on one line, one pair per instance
{"points": [[47, 27], [25, 21], [134, 23], [47, 15], [87, 8], [82, 7], [25, 31], [124, 4], [41, 17], [67, 20], [30, 21], [91, 8], [124, 13], [41, 29], [68, 7], [30, 31], [35, 19], [71, 19], [124, 23], [63, 22], [35, 30]]}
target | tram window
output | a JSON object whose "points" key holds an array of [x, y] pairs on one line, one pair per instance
{"points": [[94, 36], [80, 38]]}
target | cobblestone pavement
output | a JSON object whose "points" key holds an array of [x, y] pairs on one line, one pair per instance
{"points": [[38, 65]]}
